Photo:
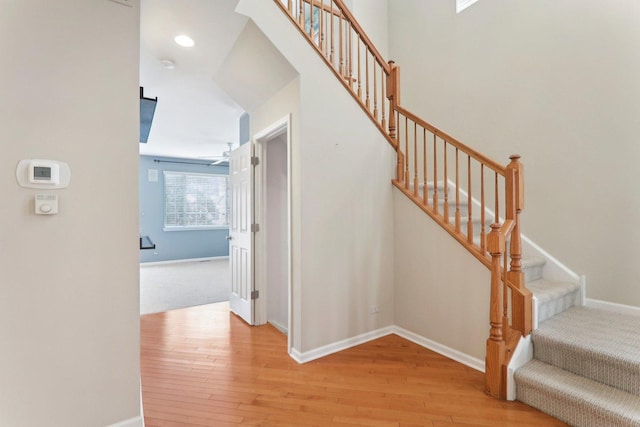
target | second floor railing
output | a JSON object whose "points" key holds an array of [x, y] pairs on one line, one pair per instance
{"points": [[477, 200], [331, 28]]}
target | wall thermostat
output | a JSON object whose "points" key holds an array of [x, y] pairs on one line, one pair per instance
{"points": [[43, 174]]}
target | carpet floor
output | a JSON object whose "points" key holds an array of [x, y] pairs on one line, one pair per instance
{"points": [[170, 286]]}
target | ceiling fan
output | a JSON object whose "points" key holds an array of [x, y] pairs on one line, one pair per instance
{"points": [[219, 159]]}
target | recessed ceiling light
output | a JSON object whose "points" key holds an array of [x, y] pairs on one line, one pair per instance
{"points": [[184, 40], [168, 64]]}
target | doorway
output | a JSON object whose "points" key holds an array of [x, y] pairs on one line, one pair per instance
{"points": [[273, 213]]}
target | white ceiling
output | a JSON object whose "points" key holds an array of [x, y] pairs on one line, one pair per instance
{"points": [[194, 116]]}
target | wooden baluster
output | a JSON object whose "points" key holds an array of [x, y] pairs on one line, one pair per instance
{"points": [[483, 243], [359, 72], [350, 58], [399, 164], [435, 176], [375, 90], [406, 150], [301, 15], [415, 160], [383, 121], [457, 192], [341, 44], [332, 56], [289, 7], [425, 190], [445, 206], [469, 202], [495, 343], [505, 295], [322, 29], [367, 102], [311, 33], [496, 214]]}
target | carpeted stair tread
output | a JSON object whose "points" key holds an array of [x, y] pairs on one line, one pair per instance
{"points": [[574, 399], [597, 344]]}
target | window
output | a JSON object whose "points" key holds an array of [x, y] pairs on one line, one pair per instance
{"points": [[463, 4], [195, 201]]}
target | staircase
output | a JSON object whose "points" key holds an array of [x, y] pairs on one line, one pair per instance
{"points": [[478, 202], [586, 367]]}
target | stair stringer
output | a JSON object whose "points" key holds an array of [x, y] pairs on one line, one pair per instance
{"points": [[521, 356]]}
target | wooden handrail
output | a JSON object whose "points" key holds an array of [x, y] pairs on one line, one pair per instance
{"points": [[495, 166], [424, 152], [337, 51]]}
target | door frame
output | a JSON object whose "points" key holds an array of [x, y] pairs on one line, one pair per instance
{"points": [[261, 139]]}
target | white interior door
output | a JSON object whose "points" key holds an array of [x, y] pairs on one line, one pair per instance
{"points": [[240, 234]]}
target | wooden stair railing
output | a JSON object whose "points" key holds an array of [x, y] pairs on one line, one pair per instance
{"points": [[428, 169]]}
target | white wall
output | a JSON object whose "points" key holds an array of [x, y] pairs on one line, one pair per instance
{"points": [[286, 102], [342, 170], [253, 71], [441, 290], [556, 82], [373, 16], [69, 309], [277, 232]]}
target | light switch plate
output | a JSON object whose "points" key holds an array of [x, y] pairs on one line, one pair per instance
{"points": [[46, 204]]}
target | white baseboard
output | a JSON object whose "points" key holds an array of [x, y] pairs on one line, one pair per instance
{"points": [[131, 422], [449, 352], [612, 306], [180, 261], [335, 347], [279, 326]]}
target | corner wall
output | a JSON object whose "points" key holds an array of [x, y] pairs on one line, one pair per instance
{"points": [[69, 292], [343, 201], [441, 290], [555, 82]]}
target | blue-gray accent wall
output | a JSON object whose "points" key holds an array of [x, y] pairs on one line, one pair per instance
{"points": [[174, 245], [244, 126]]}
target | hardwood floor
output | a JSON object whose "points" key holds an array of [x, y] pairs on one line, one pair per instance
{"points": [[203, 366]]}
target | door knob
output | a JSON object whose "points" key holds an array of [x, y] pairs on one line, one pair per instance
{"points": [[229, 237]]}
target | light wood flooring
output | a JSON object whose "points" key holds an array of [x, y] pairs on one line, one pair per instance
{"points": [[203, 366]]}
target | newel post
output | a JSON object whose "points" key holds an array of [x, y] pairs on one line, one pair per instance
{"points": [[393, 95], [515, 189], [521, 303], [495, 386]]}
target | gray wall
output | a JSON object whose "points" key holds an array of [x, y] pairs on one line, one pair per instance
{"points": [[174, 245], [557, 83], [69, 289], [244, 128]]}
